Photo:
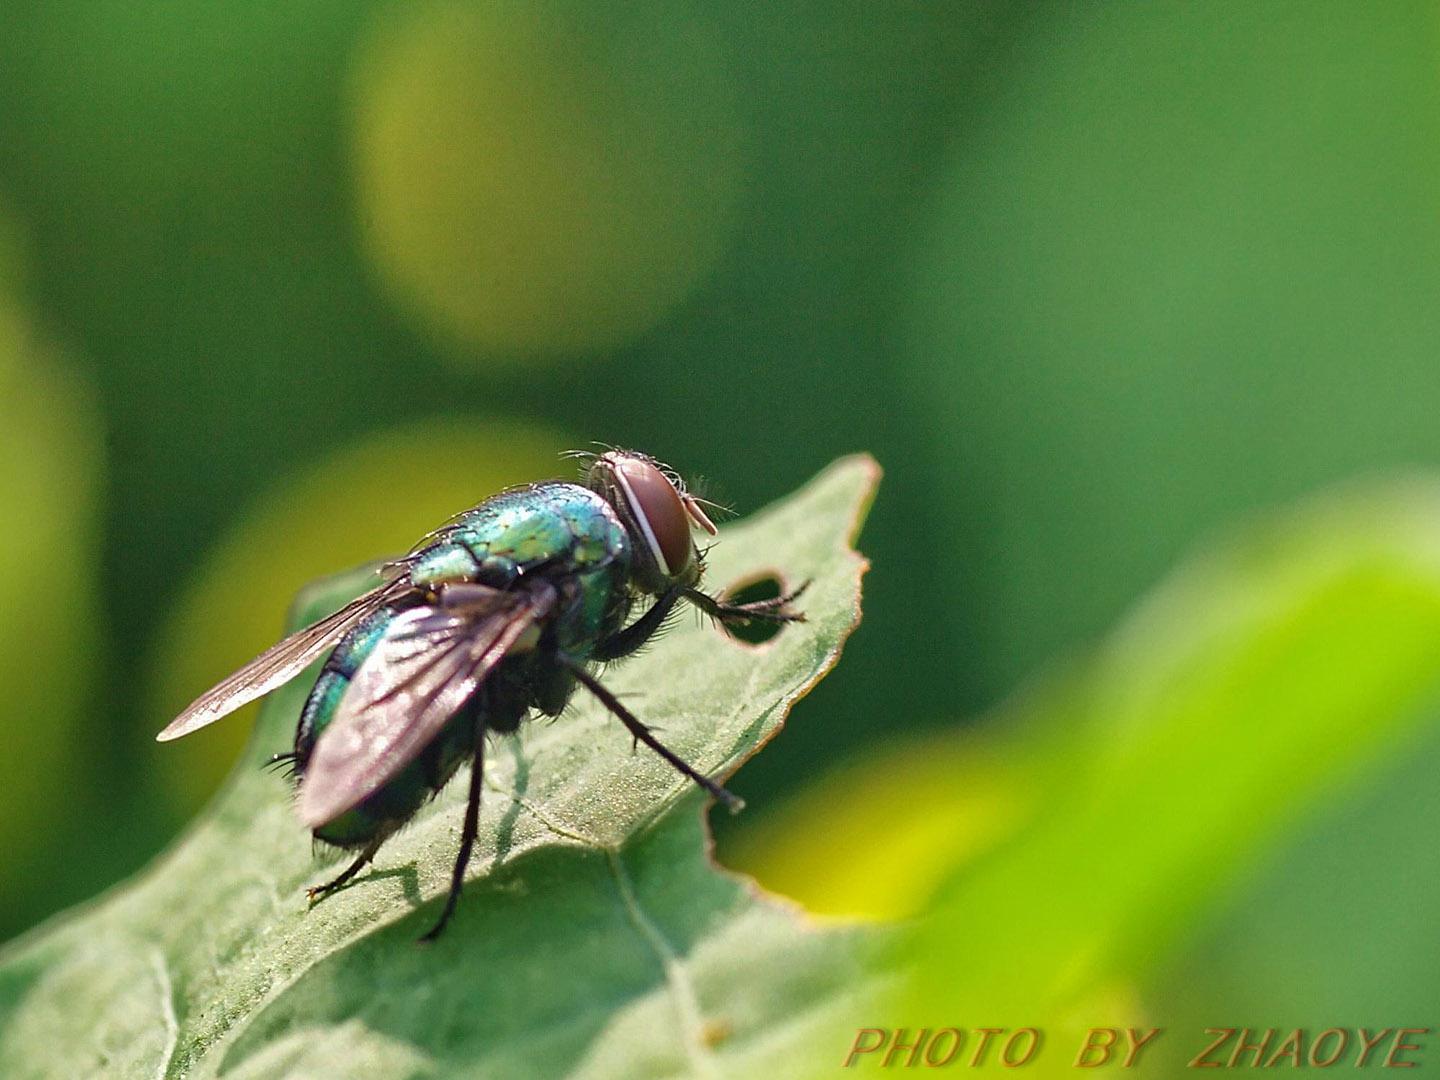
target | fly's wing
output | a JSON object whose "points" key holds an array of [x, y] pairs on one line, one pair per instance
{"points": [[280, 663], [428, 664]]}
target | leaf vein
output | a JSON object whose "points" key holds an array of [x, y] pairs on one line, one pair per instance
{"points": [[677, 977], [167, 1011]]}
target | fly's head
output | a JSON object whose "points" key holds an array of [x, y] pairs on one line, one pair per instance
{"points": [[658, 513]]}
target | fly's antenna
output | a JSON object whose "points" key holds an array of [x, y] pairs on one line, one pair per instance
{"points": [[705, 508], [719, 509]]}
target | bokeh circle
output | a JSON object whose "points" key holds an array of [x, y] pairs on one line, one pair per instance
{"points": [[534, 180]]}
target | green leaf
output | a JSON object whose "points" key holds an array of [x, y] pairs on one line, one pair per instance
{"points": [[594, 937]]}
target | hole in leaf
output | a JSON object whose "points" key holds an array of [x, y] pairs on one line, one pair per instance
{"points": [[765, 586]]}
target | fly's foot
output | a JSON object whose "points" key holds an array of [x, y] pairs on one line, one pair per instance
{"points": [[635, 735], [316, 893], [775, 609]]}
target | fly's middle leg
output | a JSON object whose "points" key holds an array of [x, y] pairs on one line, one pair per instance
{"points": [[638, 729], [632, 637]]}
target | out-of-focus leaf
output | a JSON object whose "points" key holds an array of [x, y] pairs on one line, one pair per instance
{"points": [[1341, 924], [1238, 695], [594, 938], [876, 836]]}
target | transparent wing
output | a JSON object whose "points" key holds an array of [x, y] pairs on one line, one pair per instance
{"points": [[280, 663], [428, 664]]}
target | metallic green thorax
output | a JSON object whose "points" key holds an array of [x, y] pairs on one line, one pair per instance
{"points": [[563, 532]]}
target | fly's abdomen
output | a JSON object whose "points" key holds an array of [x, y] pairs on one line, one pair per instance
{"points": [[397, 800]]}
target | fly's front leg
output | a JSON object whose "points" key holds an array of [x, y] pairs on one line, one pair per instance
{"points": [[777, 609], [626, 641]]}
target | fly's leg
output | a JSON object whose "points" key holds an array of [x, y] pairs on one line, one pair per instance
{"points": [[467, 837], [733, 802], [626, 641], [776, 609], [319, 892]]}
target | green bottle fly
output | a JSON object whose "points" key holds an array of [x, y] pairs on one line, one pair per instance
{"points": [[497, 614]]}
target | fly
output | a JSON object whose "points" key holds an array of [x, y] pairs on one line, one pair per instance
{"points": [[496, 615]]}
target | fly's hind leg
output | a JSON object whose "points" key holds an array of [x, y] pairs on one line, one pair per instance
{"points": [[467, 836], [319, 892]]}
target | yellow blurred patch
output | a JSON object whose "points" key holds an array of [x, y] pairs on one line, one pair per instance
{"points": [[51, 461], [363, 502], [873, 838], [536, 179]]}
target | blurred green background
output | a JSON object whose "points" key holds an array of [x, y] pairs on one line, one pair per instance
{"points": [[281, 287]]}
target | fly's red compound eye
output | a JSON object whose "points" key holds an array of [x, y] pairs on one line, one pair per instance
{"points": [[657, 509]]}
